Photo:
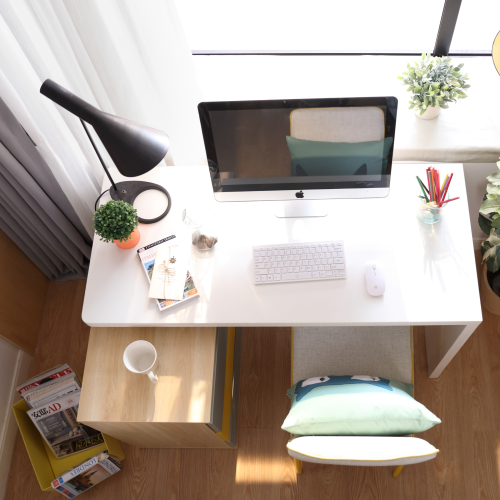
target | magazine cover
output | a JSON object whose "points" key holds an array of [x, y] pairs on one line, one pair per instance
{"points": [[87, 474], [58, 425], [55, 373], [147, 256]]}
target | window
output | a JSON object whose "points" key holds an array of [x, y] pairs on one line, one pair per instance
{"points": [[477, 26], [367, 26]]}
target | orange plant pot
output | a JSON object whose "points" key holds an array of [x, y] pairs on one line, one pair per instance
{"points": [[127, 244]]}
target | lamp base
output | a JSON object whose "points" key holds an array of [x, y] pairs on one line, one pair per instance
{"points": [[128, 191]]}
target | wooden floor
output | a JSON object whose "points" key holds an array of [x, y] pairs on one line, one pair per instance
{"points": [[466, 398]]}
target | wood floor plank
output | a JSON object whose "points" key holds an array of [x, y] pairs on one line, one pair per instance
{"points": [[265, 377]]}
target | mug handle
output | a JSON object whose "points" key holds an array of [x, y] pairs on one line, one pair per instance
{"points": [[152, 376]]}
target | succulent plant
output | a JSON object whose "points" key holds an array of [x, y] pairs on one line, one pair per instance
{"points": [[115, 220], [434, 81]]}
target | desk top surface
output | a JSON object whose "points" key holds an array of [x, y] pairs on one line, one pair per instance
{"points": [[430, 270]]}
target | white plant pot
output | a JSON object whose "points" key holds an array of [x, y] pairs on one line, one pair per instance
{"points": [[430, 113]]}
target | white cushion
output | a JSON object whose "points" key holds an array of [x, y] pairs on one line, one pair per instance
{"points": [[361, 450]]}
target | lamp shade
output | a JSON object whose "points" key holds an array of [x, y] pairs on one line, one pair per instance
{"points": [[135, 149]]}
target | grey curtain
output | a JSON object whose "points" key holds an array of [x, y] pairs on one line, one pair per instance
{"points": [[34, 211]]}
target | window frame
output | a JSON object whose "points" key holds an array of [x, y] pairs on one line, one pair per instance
{"points": [[444, 36]]}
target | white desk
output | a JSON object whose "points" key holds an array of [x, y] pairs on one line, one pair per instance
{"points": [[430, 270]]}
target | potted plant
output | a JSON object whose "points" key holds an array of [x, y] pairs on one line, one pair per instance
{"points": [[489, 222], [117, 221], [434, 82]]}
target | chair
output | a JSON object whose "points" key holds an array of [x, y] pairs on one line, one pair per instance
{"points": [[378, 351], [338, 124]]}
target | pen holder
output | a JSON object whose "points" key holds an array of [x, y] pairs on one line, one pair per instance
{"points": [[429, 214]]}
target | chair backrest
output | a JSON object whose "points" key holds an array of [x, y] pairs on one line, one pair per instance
{"points": [[338, 124], [380, 351]]}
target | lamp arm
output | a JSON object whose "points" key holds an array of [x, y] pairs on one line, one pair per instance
{"points": [[99, 156]]}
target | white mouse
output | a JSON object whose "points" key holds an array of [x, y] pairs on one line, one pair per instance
{"points": [[375, 281]]}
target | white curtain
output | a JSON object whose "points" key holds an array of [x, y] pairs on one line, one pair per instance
{"points": [[127, 57]]}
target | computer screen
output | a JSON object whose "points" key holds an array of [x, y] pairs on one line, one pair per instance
{"points": [[299, 148]]}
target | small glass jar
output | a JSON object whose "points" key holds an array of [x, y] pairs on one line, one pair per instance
{"points": [[205, 234], [429, 213]]}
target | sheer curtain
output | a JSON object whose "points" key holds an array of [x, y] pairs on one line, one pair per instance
{"points": [[127, 57]]}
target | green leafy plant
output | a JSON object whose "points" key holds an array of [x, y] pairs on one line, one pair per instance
{"points": [[115, 220], [489, 222], [434, 81]]}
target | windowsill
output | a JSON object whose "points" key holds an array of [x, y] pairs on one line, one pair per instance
{"points": [[467, 132]]}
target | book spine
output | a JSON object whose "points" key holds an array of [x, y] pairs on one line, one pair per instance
{"points": [[60, 374], [110, 466], [76, 471], [159, 242]]}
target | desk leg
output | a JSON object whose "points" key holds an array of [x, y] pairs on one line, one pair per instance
{"points": [[443, 342]]}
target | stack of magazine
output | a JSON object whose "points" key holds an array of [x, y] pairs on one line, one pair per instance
{"points": [[53, 398], [166, 274]]}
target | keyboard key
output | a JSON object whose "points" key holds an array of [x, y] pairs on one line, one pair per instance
{"points": [[260, 271], [289, 269], [277, 277], [302, 269], [262, 253], [337, 266], [316, 274], [257, 259], [329, 274], [257, 279], [315, 268], [271, 271], [338, 261], [259, 266], [296, 276], [267, 266], [309, 268], [341, 273], [295, 269], [263, 278], [340, 254], [335, 273], [321, 268], [322, 274]]}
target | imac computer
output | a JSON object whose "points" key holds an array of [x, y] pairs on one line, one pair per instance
{"points": [[299, 151]]}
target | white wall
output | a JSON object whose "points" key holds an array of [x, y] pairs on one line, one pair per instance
{"points": [[475, 181], [14, 366]]}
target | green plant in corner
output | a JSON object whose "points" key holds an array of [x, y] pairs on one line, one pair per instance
{"points": [[434, 81], [489, 222], [115, 220]]}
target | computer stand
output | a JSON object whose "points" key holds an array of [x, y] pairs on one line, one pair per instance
{"points": [[301, 208]]}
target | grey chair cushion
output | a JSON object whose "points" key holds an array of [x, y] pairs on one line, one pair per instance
{"points": [[382, 351]]}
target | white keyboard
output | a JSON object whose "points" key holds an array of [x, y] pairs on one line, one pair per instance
{"points": [[322, 260]]}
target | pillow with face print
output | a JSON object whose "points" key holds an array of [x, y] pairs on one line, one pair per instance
{"points": [[355, 405]]}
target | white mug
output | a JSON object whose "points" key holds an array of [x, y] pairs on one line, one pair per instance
{"points": [[141, 357]]}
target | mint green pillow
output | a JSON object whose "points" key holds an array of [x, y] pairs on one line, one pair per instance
{"points": [[355, 406], [338, 158]]}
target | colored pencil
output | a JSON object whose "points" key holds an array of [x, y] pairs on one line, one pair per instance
{"points": [[444, 183], [423, 190], [433, 192], [447, 187], [425, 187], [438, 183], [447, 201]]}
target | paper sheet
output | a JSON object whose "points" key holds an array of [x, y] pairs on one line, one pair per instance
{"points": [[170, 269]]}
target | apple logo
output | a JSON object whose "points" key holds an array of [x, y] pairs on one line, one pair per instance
{"points": [[300, 194]]}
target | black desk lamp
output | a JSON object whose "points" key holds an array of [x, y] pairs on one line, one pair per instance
{"points": [[135, 149]]}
